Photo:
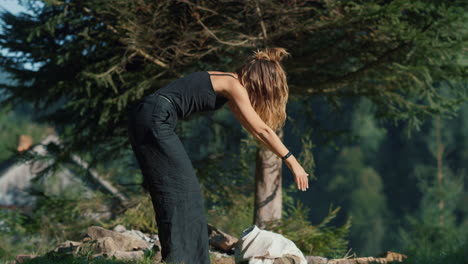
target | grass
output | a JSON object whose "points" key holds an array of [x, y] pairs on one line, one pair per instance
{"points": [[69, 259]]}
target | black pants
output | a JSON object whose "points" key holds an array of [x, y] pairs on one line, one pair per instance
{"points": [[170, 177]]}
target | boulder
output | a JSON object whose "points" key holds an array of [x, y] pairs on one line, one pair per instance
{"points": [[121, 255], [388, 258], [103, 243], [119, 228], [23, 258], [316, 260], [121, 242], [67, 247], [392, 256], [131, 255], [137, 234]]}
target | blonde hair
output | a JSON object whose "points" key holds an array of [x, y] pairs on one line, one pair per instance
{"points": [[263, 77]]}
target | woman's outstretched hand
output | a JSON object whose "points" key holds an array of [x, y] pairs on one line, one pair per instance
{"points": [[300, 176]]}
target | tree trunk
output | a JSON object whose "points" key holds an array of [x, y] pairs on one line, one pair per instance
{"points": [[268, 195]]}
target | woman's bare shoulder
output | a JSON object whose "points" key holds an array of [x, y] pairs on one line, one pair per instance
{"points": [[223, 82]]}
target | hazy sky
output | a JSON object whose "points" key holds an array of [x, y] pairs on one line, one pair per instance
{"points": [[12, 6]]}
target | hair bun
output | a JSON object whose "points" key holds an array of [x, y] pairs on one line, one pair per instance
{"points": [[271, 54]]}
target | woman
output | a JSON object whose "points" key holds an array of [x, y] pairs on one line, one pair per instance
{"points": [[256, 94]]}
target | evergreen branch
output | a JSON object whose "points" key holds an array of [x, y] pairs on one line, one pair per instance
{"points": [[211, 11], [352, 75], [150, 58], [138, 50], [240, 43], [262, 23], [199, 55]]}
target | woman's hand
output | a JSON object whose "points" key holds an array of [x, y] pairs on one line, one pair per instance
{"points": [[300, 176]]}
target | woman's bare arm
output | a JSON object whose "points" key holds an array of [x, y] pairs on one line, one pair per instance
{"points": [[249, 127], [242, 109]]}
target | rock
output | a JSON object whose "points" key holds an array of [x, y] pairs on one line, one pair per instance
{"points": [[23, 258], [157, 255], [102, 243], [362, 260], [316, 260], [288, 259], [221, 258], [138, 235], [121, 255], [342, 261], [119, 228], [220, 240], [68, 247], [392, 256], [132, 255], [105, 245], [122, 242]]}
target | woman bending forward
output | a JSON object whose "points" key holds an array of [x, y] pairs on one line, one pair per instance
{"points": [[256, 93]]}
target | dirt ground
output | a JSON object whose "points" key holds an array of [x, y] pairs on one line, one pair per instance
{"points": [[223, 260]]}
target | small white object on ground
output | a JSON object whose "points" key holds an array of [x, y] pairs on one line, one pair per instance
{"points": [[262, 247]]}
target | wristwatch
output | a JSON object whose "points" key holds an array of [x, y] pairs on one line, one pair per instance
{"points": [[287, 155]]}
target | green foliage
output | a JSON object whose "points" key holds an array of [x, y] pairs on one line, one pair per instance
{"points": [[438, 231], [225, 173], [233, 210], [359, 189], [58, 218], [236, 216], [365, 126], [20, 241], [53, 220], [322, 239], [138, 215], [306, 157], [12, 231], [453, 253], [12, 221], [434, 231]]}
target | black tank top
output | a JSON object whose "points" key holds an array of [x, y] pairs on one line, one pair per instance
{"points": [[193, 93]]}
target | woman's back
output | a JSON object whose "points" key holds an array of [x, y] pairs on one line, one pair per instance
{"points": [[192, 93]]}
